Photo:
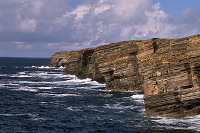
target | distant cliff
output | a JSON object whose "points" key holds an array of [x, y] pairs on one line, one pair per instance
{"points": [[167, 70]]}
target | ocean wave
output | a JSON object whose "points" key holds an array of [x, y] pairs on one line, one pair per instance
{"points": [[33, 117], [70, 108], [56, 95], [60, 78], [119, 106], [74, 81], [45, 88], [21, 76], [45, 67], [2, 85], [137, 96], [191, 123], [26, 88], [12, 114]]}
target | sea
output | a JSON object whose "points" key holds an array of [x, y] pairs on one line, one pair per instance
{"points": [[37, 98]]}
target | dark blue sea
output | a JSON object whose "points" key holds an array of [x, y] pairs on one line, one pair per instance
{"points": [[38, 99]]}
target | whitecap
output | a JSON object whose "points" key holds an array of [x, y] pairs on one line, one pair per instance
{"points": [[2, 75], [9, 85], [140, 101], [64, 95], [47, 75], [95, 83], [191, 123], [138, 96], [24, 76], [12, 114], [70, 108], [2, 85], [118, 106], [26, 88], [21, 73], [71, 76], [45, 88], [33, 66], [75, 80], [44, 67], [56, 95]]}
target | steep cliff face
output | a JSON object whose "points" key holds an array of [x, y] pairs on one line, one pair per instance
{"points": [[167, 70], [81, 63], [171, 76]]}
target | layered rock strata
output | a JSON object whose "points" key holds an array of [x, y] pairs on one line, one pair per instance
{"points": [[167, 70]]}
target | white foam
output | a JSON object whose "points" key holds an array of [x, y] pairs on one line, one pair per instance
{"points": [[138, 96], [21, 73], [34, 117], [63, 95], [9, 85], [73, 82], [2, 85], [47, 75], [33, 66], [88, 81], [11, 114], [71, 76], [95, 83], [57, 95], [24, 76], [44, 67], [119, 106], [73, 109], [32, 82], [180, 123], [45, 88], [26, 88]]}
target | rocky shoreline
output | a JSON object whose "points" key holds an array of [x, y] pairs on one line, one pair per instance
{"points": [[167, 70]]}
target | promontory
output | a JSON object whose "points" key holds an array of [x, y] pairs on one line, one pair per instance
{"points": [[166, 70]]}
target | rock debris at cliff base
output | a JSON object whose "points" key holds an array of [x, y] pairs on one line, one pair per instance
{"points": [[167, 70]]}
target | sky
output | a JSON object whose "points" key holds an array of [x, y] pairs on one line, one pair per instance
{"points": [[39, 28]]}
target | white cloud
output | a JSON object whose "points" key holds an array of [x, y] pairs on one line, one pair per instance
{"points": [[28, 25], [21, 45], [155, 24], [101, 9], [55, 45], [102, 1], [24, 47], [79, 12], [91, 23], [130, 10], [64, 46]]}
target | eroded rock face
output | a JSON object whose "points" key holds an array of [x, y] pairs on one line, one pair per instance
{"points": [[81, 63], [171, 77], [167, 70]]}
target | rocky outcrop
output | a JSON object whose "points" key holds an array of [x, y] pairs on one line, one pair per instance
{"points": [[167, 70], [81, 63]]}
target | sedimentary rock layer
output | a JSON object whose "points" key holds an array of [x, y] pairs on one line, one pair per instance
{"points": [[167, 70]]}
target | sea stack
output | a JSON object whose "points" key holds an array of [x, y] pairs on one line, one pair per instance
{"points": [[167, 70]]}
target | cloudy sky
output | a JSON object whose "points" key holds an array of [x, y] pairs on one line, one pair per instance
{"points": [[39, 28]]}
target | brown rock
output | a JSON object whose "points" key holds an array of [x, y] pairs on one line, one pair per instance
{"points": [[167, 70]]}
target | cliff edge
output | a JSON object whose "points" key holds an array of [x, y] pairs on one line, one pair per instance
{"points": [[167, 70]]}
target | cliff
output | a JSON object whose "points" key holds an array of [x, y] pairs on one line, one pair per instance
{"points": [[167, 70]]}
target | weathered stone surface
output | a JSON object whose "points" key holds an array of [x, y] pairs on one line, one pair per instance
{"points": [[171, 77], [167, 70], [81, 63]]}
